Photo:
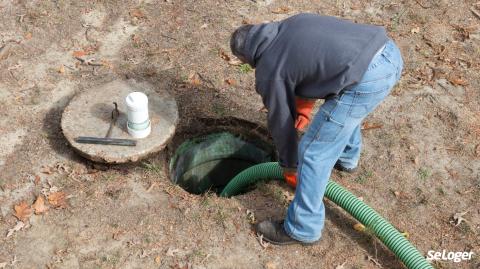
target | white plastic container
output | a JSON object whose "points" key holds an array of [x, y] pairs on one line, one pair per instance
{"points": [[138, 123]]}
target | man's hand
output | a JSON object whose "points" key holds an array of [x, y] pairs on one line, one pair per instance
{"points": [[304, 111], [290, 175]]}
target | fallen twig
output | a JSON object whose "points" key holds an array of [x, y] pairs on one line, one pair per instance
{"points": [[206, 80], [20, 225], [261, 242], [422, 5], [206, 257], [374, 261], [169, 37], [475, 12], [20, 17], [90, 61], [152, 186]]}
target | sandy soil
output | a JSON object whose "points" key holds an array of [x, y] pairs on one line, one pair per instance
{"points": [[419, 167]]}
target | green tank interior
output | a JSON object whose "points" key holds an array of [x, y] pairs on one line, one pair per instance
{"points": [[209, 162]]}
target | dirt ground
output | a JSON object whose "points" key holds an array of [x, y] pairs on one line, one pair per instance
{"points": [[420, 164]]}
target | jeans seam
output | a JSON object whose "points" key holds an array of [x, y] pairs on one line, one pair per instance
{"points": [[299, 177], [351, 105], [375, 80]]}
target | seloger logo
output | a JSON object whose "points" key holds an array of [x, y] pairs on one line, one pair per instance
{"points": [[433, 255]]}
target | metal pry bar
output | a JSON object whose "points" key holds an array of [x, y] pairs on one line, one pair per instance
{"points": [[106, 141]]}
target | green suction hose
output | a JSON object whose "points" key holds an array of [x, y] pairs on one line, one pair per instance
{"points": [[390, 236]]}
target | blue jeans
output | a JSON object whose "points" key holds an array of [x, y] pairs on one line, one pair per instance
{"points": [[334, 135]]}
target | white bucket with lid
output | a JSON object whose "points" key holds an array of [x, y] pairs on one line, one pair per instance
{"points": [[138, 123]]}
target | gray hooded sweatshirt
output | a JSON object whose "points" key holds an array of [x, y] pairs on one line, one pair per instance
{"points": [[308, 56]]}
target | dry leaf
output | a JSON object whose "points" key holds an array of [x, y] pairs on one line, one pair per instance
{"points": [[230, 81], [37, 180], [270, 265], [368, 126], [194, 79], [172, 251], [224, 56], [90, 49], [22, 211], [251, 217], [458, 218], [5, 51], [359, 227], [107, 64], [415, 30], [58, 199], [47, 170], [28, 36], [17, 228], [79, 53], [137, 13], [458, 80], [281, 10], [61, 70], [158, 260], [235, 62], [39, 206]]}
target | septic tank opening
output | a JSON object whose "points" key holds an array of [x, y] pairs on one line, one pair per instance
{"points": [[209, 162]]}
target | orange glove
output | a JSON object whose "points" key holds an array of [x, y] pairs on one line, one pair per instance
{"points": [[304, 110], [290, 176]]}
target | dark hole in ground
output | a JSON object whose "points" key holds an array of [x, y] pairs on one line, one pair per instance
{"points": [[208, 160]]}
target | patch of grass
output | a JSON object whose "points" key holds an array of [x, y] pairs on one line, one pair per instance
{"points": [[441, 191], [206, 199], [396, 20], [199, 253], [218, 109], [464, 228], [421, 197], [424, 173], [112, 259], [364, 177], [184, 78], [147, 239], [418, 191], [245, 68], [438, 264], [221, 216], [152, 167], [108, 177]]}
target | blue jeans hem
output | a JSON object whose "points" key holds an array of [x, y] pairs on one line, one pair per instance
{"points": [[346, 166], [299, 238]]}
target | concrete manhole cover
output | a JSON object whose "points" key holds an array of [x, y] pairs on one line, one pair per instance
{"points": [[89, 114]]}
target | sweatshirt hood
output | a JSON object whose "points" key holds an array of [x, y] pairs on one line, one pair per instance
{"points": [[259, 38]]}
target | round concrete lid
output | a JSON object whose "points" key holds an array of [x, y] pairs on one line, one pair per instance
{"points": [[89, 114]]}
